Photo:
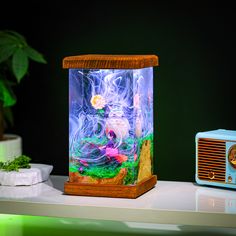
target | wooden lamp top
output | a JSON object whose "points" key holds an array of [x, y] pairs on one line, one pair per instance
{"points": [[98, 61]]}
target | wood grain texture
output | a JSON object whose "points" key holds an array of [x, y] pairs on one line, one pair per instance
{"points": [[108, 190], [98, 61]]}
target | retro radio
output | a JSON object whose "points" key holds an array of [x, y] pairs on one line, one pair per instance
{"points": [[216, 158]]}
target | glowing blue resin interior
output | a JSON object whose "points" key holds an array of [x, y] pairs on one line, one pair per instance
{"points": [[110, 117]]}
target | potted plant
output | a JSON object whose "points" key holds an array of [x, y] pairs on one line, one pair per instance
{"points": [[15, 54]]}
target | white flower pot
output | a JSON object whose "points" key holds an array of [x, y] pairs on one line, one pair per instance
{"points": [[10, 147]]}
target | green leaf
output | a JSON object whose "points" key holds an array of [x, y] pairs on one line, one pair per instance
{"points": [[20, 64], [6, 38], [6, 51], [9, 115], [34, 55], [16, 35], [6, 94]]}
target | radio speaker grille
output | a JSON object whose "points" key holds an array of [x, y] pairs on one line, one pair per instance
{"points": [[211, 159]]}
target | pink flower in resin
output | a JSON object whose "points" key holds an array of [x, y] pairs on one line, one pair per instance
{"points": [[83, 162], [111, 152], [98, 101]]}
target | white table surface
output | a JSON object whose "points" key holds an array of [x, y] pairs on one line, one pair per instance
{"points": [[181, 203]]}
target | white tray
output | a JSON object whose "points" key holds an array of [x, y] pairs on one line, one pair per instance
{"points": [[36, 174]]}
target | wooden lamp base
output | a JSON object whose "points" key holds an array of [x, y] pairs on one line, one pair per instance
{"points": [[110, 190]]}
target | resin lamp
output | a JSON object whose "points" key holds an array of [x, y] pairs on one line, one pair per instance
{"points": [[110, 125]]}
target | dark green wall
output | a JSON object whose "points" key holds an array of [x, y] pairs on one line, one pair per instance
{"points": [[194, 85]]}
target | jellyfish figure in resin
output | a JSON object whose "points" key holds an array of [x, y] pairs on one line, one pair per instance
{"points": [[110, 125]]}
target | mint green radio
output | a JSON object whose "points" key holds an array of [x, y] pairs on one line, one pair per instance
{"points": [[216, 158]]}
